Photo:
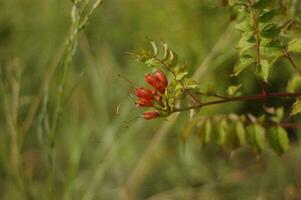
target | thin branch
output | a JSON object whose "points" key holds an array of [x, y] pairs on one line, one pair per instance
{"points": [[289, 58], [240, 98], [286, 125]]}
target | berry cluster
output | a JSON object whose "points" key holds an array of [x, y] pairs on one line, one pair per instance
{"points": [[147, 97]]}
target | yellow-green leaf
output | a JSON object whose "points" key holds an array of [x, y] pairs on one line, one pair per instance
{"points": [[241, 133], [244, 62], [233, 89], [278, 139], [295, 45], [263, 70], [155, 47], [223, 130], [296, 108], [256, 137]]}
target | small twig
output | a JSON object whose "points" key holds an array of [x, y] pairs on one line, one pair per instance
{"points": [[240, 98], [289, 58]]}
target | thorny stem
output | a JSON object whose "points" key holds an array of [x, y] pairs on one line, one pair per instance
{"points": [[256, 97]]}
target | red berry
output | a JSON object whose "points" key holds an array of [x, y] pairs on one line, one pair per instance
{"points": [[151, 115], [157, 80], [143, 102], [161, 78], [144, 93], [150, 79]]}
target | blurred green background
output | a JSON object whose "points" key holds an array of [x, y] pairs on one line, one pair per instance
{"points": [[105, 154]]}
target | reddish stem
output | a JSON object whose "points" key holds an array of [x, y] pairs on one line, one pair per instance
{"points": [[242, 98]]}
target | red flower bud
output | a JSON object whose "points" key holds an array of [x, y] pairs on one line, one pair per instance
{"points": [[157, 80], [144, 93], [151, 115], [161, 77], [143, 102], [150, 79]]}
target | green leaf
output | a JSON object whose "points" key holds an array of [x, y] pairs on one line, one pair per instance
{"points": [[206, 132], [165, 50], [246, 42], [233, 89], [152, 62], [171, 103], [294, 84], [223, 130], [279, 113], [270, 31], [266, 16], [256, 137], [283, 139], [192, 84], [170, 58], [278, 139], [273, 44], [244, 62], [244, 26], [271, 48], [181, 75], [188, 130], [241, 133], [261, 4], [296, 108], [263, 69], [155, 47], [270, 53], [295, 45], [180, 68]]}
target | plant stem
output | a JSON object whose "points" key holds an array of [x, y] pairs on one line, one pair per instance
{"points": [[78, 24], [256, 33], [241, 98], [289, 58], [258, 41], [285, 125]]}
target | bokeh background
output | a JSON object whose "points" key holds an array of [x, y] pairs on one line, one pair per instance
{"points": [[103, 151]]}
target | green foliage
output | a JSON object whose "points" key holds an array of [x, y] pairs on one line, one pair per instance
{"points": [[98, 122], [278, 139], [296, 108], [260, 28], [255, 135], [233, 131], [263, 69], [294, 84], [244, 61], [295, 45], [233, 89]]}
